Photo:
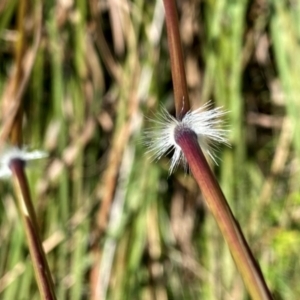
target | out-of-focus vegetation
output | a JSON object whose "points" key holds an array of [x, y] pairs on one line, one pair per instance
{"points": [[114, 224]]}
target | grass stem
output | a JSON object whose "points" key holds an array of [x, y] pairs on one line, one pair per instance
{"points": [[181, 96], [221, 211], [41, 268]]}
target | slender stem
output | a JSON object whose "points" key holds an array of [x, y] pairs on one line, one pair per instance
{"points": [[181, 97], [41, 268], [220, 209]]}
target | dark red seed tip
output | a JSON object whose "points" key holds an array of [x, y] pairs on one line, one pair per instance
{"points": [[16, 163], [183, 132]]}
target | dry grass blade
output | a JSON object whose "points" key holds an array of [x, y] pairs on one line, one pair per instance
{"points": [[16, 85]]}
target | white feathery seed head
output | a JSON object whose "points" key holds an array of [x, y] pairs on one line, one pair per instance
{"points": [[205, 122], [10, 153]]}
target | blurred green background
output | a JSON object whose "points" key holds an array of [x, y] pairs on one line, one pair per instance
{"points": [[115, 225]]}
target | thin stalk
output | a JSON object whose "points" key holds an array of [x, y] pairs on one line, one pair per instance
{"points": [[14, 134], [181, 96], [41, 268], [221, 211], [213, 195]]}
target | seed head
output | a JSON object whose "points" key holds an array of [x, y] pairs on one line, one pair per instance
{"points": [[10, 153], [205, 122]]}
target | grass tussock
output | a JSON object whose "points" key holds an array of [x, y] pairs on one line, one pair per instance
{"points": [[110, 218]]}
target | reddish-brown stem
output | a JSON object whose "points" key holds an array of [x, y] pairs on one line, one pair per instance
{"points": [[218, 206], [181, 97], [37, 253], [211, 190]]}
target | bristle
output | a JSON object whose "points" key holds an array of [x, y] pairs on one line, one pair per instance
{"points": [[206, 123]]}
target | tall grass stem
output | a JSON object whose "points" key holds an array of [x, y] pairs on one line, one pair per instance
{"points": [[218, 206], [39, 261], [181, 96]]}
